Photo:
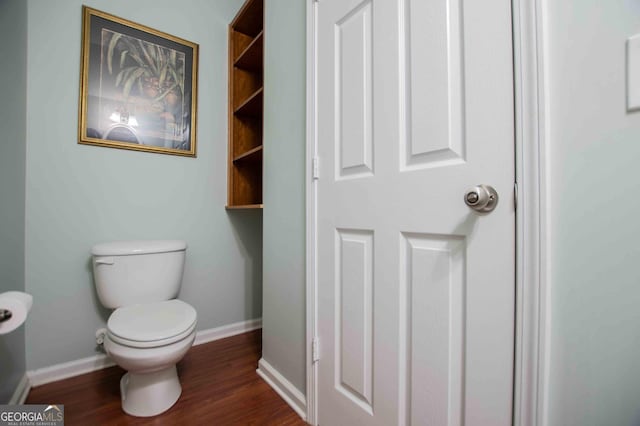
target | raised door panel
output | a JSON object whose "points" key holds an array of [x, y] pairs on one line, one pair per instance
{"points": [[354, 316], [353, 107], [432, 279], [434, 87]]}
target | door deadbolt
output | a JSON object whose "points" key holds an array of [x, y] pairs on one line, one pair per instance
{"points": [[481, 198]]}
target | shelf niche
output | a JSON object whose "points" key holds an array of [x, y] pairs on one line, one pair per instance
{"points": [[246, 106], [251, 58]]}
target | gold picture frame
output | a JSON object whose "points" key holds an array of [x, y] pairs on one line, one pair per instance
{"points": [[138, 87]]}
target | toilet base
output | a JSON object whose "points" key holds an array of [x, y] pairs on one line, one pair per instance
{"points": [[149, 394]]}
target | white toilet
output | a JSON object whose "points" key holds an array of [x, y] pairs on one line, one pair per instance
{"points": [[150, 330]]}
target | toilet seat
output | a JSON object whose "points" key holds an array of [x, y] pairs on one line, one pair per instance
{"points": [[152, 324], [152, 343]]}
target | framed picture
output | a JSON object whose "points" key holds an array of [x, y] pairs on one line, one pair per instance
{"points": [[138, 87]]}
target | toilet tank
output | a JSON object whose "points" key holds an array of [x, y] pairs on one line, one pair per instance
{"points": [[133, 272]]}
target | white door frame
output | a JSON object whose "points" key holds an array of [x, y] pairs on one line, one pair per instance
{"points": [[533, 313], [533, 307], [311, 218]]}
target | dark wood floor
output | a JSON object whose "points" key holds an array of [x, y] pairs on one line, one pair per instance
{"points": [[219, 387]]}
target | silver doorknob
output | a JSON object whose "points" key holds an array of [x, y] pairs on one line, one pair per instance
{"points": [[481, 198]]}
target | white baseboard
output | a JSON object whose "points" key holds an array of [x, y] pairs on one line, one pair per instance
{"points": [[66, 370], [69, 369], [206, 336], [22, 391], [283, 387]]}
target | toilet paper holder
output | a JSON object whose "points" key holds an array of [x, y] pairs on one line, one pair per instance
{"points": [[5, 315]]}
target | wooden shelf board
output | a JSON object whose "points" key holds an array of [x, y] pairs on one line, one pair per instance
{"points": [[251, 56], [252, 106], [245, 207], [249, 153]]}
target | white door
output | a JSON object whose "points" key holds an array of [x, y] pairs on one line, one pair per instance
{"points": [[415, 289]]}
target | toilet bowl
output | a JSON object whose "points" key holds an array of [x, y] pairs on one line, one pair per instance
{"points": [[149, 331], [148, 340]]}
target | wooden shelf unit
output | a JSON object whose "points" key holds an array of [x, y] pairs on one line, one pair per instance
{"points": [[246, 65]]}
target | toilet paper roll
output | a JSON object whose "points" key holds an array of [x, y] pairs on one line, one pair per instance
{"points": [[19, 304]]}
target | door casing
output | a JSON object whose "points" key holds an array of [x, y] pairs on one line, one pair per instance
{"points": [[532, 263]]}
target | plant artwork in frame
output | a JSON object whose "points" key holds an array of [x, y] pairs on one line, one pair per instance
{"points": [[138, 87]]}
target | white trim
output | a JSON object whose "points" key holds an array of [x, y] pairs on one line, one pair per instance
{"points": [[22, 391], [217, 333], [311, 222], [69, 369], [532, 262], [283, 387], [66, 370]]}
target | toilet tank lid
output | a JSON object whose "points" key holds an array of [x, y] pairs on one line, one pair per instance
{"points": [[127, 248]]}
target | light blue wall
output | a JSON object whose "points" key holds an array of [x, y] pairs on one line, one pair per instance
{"points": [[79, 195], [594, 154], [283, 334], [13, 109]]}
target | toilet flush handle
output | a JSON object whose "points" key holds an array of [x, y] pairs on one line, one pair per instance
{"points": [[104, 261]]}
